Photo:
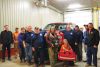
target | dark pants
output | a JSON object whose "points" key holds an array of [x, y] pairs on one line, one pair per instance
{"points": [[39, 56], [22, 53], [91, 51], [4, 50], [69, 63], [80, 51], [77, 51]]}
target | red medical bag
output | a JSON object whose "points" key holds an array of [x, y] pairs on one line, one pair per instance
{"points": [[66, 53]]}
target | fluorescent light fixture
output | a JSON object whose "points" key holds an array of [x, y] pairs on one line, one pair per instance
{"points": [[24, 4], [74, 6]]}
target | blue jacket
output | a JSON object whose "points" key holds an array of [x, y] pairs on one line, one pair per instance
{"points": [[28, 37], [20, 39], [38, 41], [85, 38]]}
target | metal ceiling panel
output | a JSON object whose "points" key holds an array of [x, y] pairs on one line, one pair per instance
{"points": [[63, 4]]}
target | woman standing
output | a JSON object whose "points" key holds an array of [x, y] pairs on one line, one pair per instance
{"points": [[53, 42]]}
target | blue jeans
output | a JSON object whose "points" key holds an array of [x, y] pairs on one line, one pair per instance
{"points": [[91, 51], [28, 51]]}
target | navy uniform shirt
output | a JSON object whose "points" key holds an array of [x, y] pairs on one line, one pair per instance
{"points": [[28, 37], [37, 41]]}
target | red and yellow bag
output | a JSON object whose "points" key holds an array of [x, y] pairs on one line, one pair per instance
{"points": [[66, 52]]}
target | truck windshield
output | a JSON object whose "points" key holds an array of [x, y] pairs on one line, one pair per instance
{"points": [[58, 26]]}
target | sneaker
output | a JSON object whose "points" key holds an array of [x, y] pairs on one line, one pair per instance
{"points": [[87, 65], [84, 60]]}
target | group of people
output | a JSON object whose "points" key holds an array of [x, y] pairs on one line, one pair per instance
{"points": [[29, 44]]}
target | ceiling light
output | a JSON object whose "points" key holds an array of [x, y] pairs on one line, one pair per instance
{"points": [[74, 6], [24, 4]]}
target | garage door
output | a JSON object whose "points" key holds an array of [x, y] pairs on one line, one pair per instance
{"points": [[78, 17]]}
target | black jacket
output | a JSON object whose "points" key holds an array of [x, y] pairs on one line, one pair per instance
{"points": [[6, 37], [92, 38], [79, 36]]}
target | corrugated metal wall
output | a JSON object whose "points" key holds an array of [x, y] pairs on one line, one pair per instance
{"points": [[19, 13]]}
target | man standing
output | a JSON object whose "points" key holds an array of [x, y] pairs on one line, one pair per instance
{"points": [[28, 39], [79, 38], [6, 40], [84, 39], [39, 48], [92, 36], [84, 35]]}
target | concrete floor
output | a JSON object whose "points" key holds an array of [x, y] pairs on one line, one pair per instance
{"points": [[16, 63]]}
